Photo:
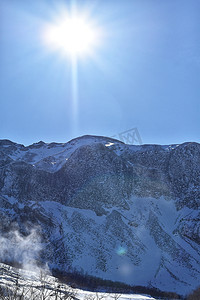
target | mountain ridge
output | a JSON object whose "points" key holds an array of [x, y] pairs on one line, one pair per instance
{"points": [[121, 212]]}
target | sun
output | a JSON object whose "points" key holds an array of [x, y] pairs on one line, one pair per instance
{"points": [[73, 35]]}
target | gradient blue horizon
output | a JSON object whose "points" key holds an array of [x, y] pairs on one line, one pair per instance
{"points": [[145, 74]]}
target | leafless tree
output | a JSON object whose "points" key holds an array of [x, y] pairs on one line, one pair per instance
{"points": [[116, 296], [97, 296], [44, 290]]}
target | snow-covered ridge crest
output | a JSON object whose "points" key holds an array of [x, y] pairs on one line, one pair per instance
{"points": [[51, 156], [48, 156]]}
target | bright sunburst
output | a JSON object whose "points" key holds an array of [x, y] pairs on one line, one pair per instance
{"points": [[73, 35]]}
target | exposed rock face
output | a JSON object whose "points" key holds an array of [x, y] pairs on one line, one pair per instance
{"points": [[121, 212]]}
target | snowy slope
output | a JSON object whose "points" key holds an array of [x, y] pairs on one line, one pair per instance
{"points": [[41, 285], [50, 157]]}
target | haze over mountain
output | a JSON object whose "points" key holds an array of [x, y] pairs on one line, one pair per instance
{"points": [[120, 212]]}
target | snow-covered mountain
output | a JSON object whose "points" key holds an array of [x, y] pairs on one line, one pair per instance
{"points": [[115, 211]]}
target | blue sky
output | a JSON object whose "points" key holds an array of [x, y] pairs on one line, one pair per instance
{"points": [[145, 72]]}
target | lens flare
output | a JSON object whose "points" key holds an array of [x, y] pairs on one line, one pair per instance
{"points": [[121, 251]]}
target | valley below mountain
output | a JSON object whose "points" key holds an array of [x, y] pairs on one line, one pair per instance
{"points": [[22, 284]]}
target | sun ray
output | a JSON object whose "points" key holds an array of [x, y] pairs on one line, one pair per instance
{"points": [[72, 35], [74, 95]]}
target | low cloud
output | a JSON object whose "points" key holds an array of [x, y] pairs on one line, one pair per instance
{"points": [[19, 249]]}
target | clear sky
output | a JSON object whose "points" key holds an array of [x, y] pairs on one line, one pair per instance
{"points": [[145, 72]]}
